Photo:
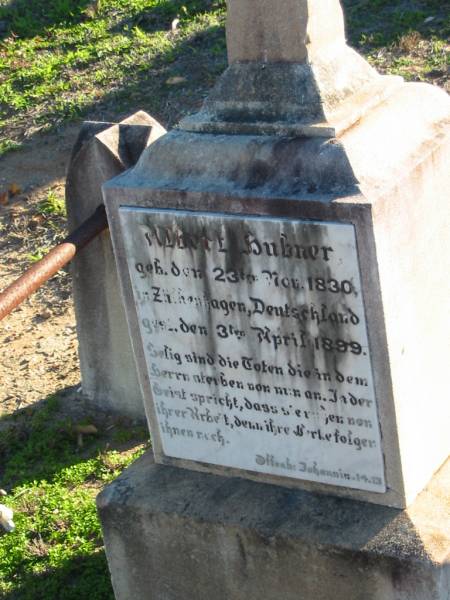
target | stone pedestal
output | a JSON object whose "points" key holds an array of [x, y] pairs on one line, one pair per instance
{"points": [[291, 73], [175, 535]]}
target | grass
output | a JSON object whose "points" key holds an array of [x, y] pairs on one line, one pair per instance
{"points": [[403, 37], [7, 145], [50, 215], [62, 59], [56, 550], [53, 205]]}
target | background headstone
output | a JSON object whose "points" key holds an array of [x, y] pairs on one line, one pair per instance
{"points": [[108, 371]]}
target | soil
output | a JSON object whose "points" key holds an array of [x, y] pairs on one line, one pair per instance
{"points": [[38, 346]]}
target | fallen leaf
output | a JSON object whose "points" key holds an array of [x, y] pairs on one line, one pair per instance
{"points": [[86, 429], [4, 198], [14, 189], [176, 80]]}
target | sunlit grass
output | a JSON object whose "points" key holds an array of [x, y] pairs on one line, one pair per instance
{"points": [[56, 550]]}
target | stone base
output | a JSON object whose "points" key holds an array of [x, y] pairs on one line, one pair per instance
{"points": [[286, 99], [172, 534]]}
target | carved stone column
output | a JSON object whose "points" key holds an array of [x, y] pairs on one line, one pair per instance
{"points": [[291, 73]]}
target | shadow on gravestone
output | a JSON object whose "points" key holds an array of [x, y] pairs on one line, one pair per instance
{"points": [[175, 534]]}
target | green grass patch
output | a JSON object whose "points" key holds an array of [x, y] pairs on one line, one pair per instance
{"points": [[9, 146], [403, 37], [53, 205], [49, 222], [56, 550], [37, 254], [63, 59]]}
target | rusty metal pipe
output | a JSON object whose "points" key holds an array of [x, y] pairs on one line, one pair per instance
{"points": [[59, 256]]}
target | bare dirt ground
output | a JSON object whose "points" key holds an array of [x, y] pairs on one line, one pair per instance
{"points": [[38, 347]]}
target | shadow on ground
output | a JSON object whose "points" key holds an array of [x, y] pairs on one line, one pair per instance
{"points": [[26, 19], [375, 24], [201, 58], [37, 442], [56, 551], [82, 578]]}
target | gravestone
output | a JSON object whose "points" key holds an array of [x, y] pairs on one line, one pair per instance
{"points": [[108, 374], [284, 284], [325, 380], [255, 340]]}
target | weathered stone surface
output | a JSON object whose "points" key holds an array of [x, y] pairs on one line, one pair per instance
{"points": [[270, 31], [246, 165], [266, 31], [378, 184], [291, 99], [291, 73], [102, 151], [255, 337], [171, 534]]}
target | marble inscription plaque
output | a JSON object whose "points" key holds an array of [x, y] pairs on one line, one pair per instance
{"points": [[256, 346]]}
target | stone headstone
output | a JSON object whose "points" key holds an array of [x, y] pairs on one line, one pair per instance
{"points": [[255, 340], [108, 372], [282, 269], [274, 294]]}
